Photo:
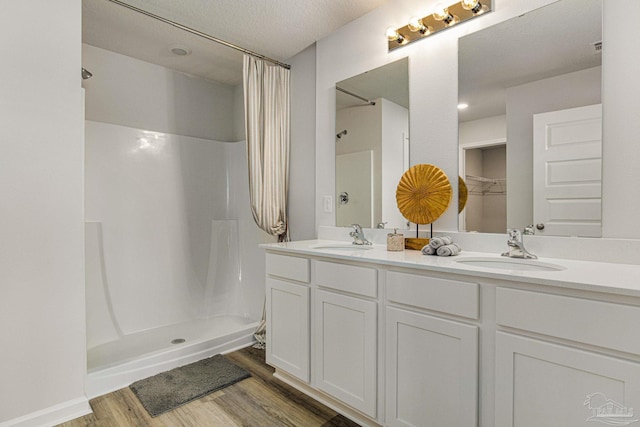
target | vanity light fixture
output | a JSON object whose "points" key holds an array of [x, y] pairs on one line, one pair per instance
{"points": [[441, 18]]}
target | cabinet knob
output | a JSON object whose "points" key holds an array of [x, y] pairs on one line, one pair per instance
{"points": [[540, 226]]}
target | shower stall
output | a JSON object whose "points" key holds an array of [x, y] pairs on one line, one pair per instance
{"points": [[173, 271]]}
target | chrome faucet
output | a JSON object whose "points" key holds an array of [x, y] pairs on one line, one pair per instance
{"points": [[516, 245], [358, 235]]}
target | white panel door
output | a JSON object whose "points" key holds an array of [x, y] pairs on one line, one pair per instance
{"points": [[346, 347], [543, 384], [288, 327], [354, 176], [431, 371], [567, 171]]}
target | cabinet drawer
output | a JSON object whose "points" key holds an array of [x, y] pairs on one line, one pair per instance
{"points": [[348, 278], [288, 267], [600, 323], [444, 295]]}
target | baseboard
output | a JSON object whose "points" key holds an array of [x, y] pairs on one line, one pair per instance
{"points": [[326, 400], [52, 415]]}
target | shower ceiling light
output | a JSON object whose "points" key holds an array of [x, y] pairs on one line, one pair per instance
{"points": [[441, 18], [180, 50]]}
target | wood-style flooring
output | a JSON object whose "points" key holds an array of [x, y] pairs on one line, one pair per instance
{"points": [[260, 401]]}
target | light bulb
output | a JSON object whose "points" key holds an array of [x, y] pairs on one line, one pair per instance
{"points": [[415, 24], [394, 35], [474, 6], [469, 4], [441, 12], [463, 106]]}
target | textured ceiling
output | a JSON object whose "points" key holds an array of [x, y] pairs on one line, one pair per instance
{"points": [[276, 28]]}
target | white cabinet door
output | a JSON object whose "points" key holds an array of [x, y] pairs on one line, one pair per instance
{"points": [[288, 327], [544, 384], [345, 353], [431, 371]]}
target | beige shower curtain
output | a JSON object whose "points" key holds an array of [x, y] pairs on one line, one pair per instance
{"points": [[266, 105]]}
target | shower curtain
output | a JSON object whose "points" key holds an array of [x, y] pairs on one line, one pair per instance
{"points": [[266, 103]]}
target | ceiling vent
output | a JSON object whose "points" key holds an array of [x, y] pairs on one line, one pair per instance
{"points": [[597, 47]]}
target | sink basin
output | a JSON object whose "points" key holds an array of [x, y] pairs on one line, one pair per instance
{"points": [[342, 246], [513, 264]]}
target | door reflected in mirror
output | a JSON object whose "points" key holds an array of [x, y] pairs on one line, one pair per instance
{"points": [[546, 61], [372, 146]]}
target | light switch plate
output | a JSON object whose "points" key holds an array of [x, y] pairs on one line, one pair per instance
{"points": [[327, 204]]}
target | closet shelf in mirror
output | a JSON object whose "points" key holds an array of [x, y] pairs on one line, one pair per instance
{"points": [[479, 185]]}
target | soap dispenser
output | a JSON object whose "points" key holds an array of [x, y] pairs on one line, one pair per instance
{"points": [[395, 241]]}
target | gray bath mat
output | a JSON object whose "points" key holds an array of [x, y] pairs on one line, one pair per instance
{"points": [[168, 390]]}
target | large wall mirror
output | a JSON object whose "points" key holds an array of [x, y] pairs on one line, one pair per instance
{"points": [[372, 146], [530, 140]]}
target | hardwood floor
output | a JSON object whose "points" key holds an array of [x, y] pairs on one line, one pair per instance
{"points": [[260, 400]]}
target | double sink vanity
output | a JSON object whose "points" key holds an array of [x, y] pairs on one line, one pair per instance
{"points": [[404, 339]]}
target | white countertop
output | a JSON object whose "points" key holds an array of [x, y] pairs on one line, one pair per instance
{"points": [[621, 279]]}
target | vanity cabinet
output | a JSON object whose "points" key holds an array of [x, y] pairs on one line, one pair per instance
{"points": [[346, 347], [431, 370], [410, 343], [431, 362], [557, 384], [345, 328], [545, 384], [288, 311]]}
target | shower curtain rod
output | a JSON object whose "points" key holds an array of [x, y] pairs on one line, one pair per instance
{"points": [[201, 34], [356, 96]]}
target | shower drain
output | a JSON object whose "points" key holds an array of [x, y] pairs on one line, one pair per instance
{"points": [[178, 341]]}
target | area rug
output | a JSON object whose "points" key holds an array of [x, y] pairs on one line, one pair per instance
{"points": [[168, 390]]}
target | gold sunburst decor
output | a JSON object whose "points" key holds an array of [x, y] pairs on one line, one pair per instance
{"points": [[423, 194], [463, 193]]}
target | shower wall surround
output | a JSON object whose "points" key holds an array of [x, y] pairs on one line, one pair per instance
{"points": [[168, 209], [131, 92]]}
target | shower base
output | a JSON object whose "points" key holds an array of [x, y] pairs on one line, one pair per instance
{"points": [[117, 364]]}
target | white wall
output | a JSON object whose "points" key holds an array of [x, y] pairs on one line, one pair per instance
{"points": [[360, 46], [303, 138], [621, 127], [487, 129], [41, 221], [395, 131], [556, 93], [134, 93]]}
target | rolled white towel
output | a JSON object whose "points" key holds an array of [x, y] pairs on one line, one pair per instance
{"points": [[428, 250], [436, 242], [452, 249]]}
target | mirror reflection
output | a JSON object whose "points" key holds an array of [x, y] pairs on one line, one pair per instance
{"points": [[372, 145], [530, 136]]}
